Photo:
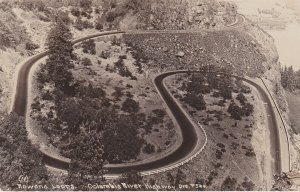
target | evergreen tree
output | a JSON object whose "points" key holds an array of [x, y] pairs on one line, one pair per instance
{"points": [[87, 161], [60, 59], [288, 78], [18, 157]]}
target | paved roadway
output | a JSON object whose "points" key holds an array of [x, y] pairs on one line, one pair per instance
{"points": [[188, 128]]}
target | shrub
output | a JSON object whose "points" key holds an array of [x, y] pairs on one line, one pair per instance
{"points": [[229, 184], [195, 101], [80, 25], [250, 153], [130, 106], [31, 46], [235, 111], [121, 141], [91, 92], [248, 185], [75, 11], [122, 69], [149, 148], [99, 24], [241, 98], [86, 62], [89, 46], [104, 54], [248, 109], [47, 96], [116, 41], [86, 4], [36, 105], [159, 113], [64, 17], [118, 93], [226, 93], [112, 15]]}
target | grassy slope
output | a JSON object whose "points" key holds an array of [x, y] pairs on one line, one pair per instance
{"points": [[236, 140]]}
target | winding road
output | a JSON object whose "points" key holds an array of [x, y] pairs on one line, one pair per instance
{"points": [[193, 135]]}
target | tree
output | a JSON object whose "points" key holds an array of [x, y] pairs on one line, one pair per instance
{"points": [[235, 111], [248, 185], [288, 78], [149, 148], [99, 23], [60, 59], [195, 101], [121, 141], [247, 109], [241, 98], [229, 184], [87, 160], [89, 46], [18, 157], [86, 62], [86, 4], [130, 106]]}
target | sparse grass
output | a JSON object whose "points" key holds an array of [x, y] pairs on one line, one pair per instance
{"points": [[229, 140]]}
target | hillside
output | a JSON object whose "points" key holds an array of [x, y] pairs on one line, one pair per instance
{"points": [[98, 97]]}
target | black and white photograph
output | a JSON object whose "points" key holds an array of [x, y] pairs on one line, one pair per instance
{"points": [[149, 95]]}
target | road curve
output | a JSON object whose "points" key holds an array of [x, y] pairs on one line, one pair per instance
{"points": [[190, 145], [20, 95], [189, 130]]}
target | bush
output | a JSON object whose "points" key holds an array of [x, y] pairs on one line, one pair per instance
{"points": [[241, 98], [248, 109], [98, 24], [250, 153], [121, 141], [112, 15], [80, 25], [89, 46], [91, 92], [31, 46], [86, 4], [130, 106], [159, 113], [229, 184], [64, 17], [86, 62], [195, 101], [75, 11], [104, 54], [122, 69], [235, 111], [47, 96], [149, 148], [248, 185], [226, 93]]}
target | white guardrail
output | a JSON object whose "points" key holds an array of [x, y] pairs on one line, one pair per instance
{"points": [[160, 170], [282, 121], [180, 163], [168, 168]]}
